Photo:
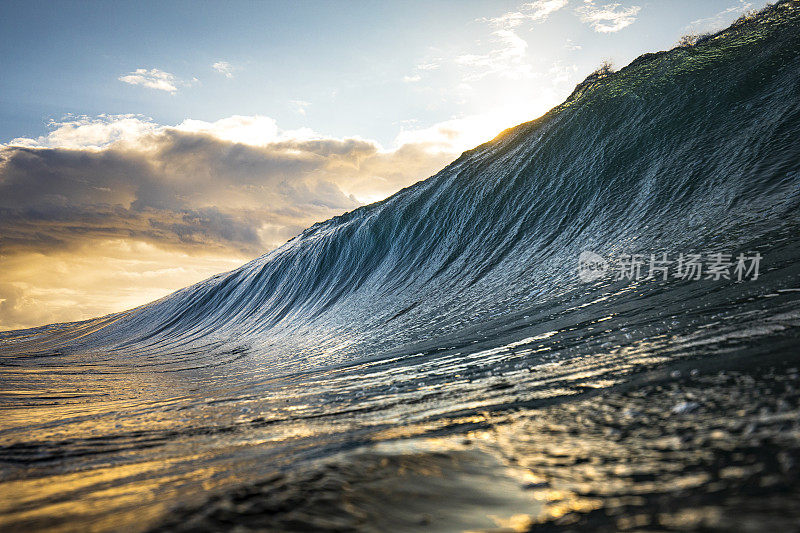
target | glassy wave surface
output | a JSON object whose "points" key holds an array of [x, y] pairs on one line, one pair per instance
{"points": [[443, 360]]}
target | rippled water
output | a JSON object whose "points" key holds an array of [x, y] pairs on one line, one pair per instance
{"points": [[401, 367]]}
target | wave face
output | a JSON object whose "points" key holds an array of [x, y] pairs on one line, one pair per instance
{"points": [[413, 309], [690, 150]]}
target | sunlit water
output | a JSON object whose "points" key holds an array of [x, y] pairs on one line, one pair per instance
{"points": [[408, 349]]}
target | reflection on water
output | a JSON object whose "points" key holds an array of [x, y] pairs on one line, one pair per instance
{"points": [[432, 361], [110, 446]]}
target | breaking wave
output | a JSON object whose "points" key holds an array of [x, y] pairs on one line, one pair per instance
{"points": [[456, 296]]}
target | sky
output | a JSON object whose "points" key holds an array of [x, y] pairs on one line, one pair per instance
{"points": [[145, 146]]}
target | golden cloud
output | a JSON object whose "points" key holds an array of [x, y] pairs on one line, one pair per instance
{"points": [[201, 196]]}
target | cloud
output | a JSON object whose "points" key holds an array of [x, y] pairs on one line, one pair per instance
{"points": [[721, 19], [175, 189], [196, 195], [608, 18], [105, 277], [426, 66], [153, 79], [224, 68], [508, 60], [509, 57], [255, 130], [537, 11], [300, 106], [80, 131], [18, 308]]}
